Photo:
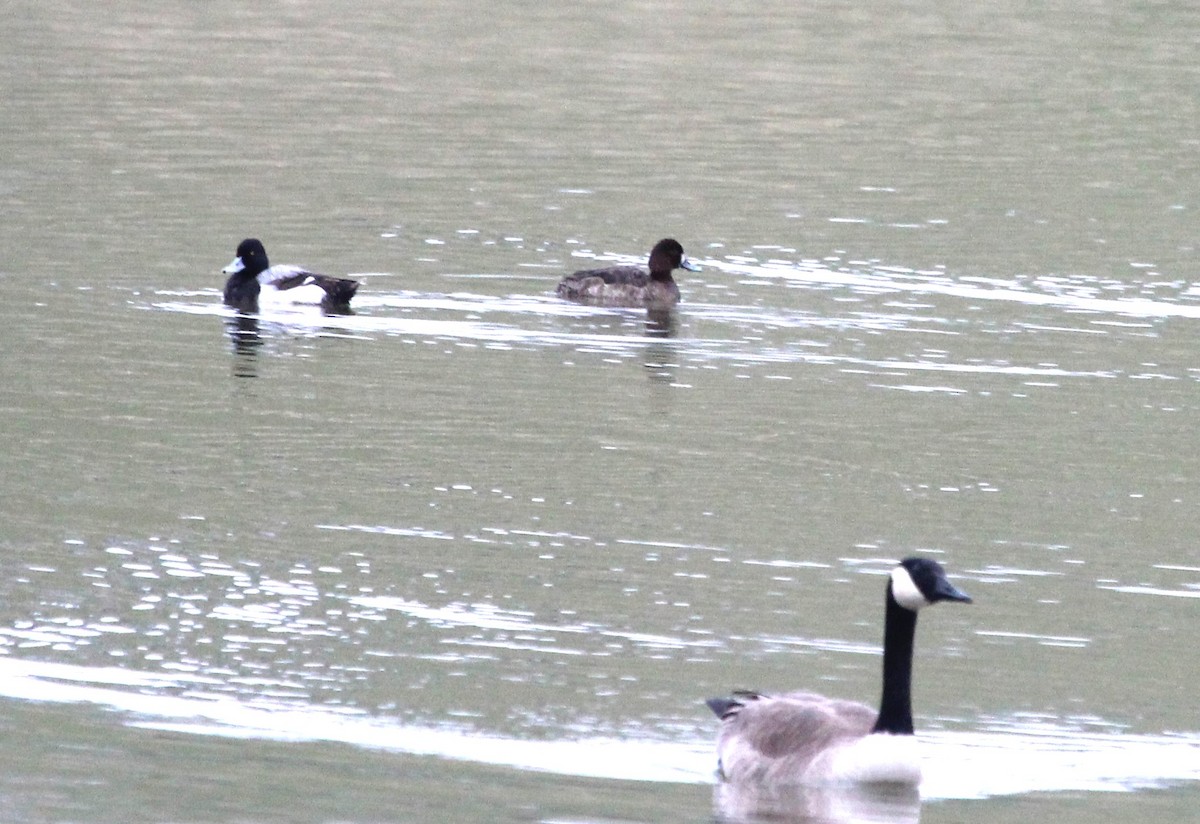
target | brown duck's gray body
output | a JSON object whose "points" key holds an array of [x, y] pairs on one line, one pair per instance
{"points": [[630, 285], [618, 286]]}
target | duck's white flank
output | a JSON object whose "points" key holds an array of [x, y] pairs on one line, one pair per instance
{"points": [[308, 292]]}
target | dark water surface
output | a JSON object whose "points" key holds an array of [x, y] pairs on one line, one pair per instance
{"points": [[473, 554]]}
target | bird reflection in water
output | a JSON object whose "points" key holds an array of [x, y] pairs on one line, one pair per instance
{"points": [[861, 803], [243, 332], [661, 324]]}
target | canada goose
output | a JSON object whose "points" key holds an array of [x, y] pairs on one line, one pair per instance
{"points": [[808, 739], [251, 275], [631, 285]]}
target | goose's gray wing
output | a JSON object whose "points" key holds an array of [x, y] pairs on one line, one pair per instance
{"points": [[764, 736]]}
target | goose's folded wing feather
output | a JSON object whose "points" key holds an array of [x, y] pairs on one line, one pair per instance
{"points": [[778, 726], [777, 739]]}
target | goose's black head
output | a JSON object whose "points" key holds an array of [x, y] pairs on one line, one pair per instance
{"points": [[250, 260], [919, 582]]}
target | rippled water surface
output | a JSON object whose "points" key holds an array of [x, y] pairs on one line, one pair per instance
{"points": [[475, 554]]}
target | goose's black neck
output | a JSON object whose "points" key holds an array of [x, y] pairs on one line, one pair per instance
{"points": [[895, 707]]}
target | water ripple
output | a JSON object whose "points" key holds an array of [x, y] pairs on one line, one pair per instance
{"points": [[893, 300], [1015, 756], [489, 617]]}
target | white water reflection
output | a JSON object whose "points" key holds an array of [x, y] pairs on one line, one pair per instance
{"points": [[1074, 294], [1182, 589], [1145, 590], [498, 335], [1019, 758], [289, 321], [200, 712], [810, 805], [489, 617], [1051, 758]]}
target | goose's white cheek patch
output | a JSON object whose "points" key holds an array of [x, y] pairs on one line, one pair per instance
{"points": [[905, 591]]}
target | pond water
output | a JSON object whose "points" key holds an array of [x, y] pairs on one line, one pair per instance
{"points": [[475, 554]]}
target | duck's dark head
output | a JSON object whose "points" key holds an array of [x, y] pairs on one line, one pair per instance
{"points": [[251, 259], [667, 255]]}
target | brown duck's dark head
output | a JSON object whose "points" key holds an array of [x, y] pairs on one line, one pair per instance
{"points": [[666, 256]]}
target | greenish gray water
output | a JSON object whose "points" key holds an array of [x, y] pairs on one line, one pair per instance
{"points": [[473, 554]]}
